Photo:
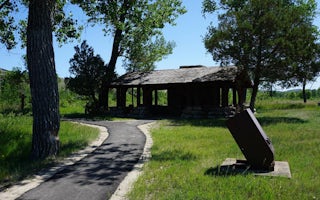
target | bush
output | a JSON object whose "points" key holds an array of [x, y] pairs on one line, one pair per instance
{"points": [[14, 92]]}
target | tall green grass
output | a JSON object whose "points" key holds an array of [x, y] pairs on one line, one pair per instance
{"points": [[15, 146], [186, 151], [71, 103]]}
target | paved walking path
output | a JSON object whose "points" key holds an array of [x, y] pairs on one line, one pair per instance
{"points": [[98, 175]]}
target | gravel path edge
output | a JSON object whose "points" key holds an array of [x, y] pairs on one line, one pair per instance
{"points": [[127, 184]]}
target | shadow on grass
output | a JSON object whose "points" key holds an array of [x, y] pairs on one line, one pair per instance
{"points": [[109, 117], [18, 112], [227, 170], [71, 147], [173, 155], [265, 121], [86, 116], [219, 122]]}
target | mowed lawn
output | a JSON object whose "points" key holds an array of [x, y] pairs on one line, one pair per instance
{"points": [[185, 152]]}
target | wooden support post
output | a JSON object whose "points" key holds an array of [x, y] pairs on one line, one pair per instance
{"points": [[173, 99], [242, 94], [216, 99], [225, 97], [155, 97], [121, 97], [234, 97], [138, 96], [147, 96], [118, 97]]}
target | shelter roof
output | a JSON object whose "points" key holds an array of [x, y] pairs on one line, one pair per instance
{"points": [[185, 74]]}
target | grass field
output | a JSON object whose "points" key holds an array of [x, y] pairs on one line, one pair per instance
{"points": [[15, 146], [186, 151]]}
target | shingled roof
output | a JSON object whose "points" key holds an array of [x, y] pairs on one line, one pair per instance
{"points": [[186, 74]]}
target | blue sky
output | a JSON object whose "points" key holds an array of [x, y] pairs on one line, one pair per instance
{"points": [[187, 35]]}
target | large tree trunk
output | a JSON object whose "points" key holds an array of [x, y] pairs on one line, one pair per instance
{"points": [[116, 52], [103, 96], [43, 80], [253, 97], [104, 92]]}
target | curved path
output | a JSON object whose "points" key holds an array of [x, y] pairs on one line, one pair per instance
{"points": [[97, 175]]}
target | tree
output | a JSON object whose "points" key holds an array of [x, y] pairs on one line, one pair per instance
{"points": [[88, 73], [136, 28], [305, 69], [255, 35], [44, 18], [43, 79], [306, 50]]}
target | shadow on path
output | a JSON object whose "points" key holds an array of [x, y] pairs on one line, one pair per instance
{"points": [[97, 175]]}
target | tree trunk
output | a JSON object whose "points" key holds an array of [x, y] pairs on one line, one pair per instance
{"points": [[116, 52], [43, 80], [103, 96], [304, 91], [271, 91], [255, 88], [257, 75], [22, 102]]}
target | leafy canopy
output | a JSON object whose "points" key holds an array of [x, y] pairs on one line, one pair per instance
{"points": [[7, 26], [65, 26]]}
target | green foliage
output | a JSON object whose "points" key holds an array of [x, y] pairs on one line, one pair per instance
{"points": [[7, 26], [14, 92], [65, 26], [14, 84], [71, 104], [208, 6], [162, 97], [304, 51], [15, 146], [142, 55], [186, 152]]}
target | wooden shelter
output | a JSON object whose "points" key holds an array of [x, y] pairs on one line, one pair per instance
{"points": [[190, 91]]}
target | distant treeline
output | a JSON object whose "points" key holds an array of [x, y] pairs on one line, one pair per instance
{"points": [[290, 94]]}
